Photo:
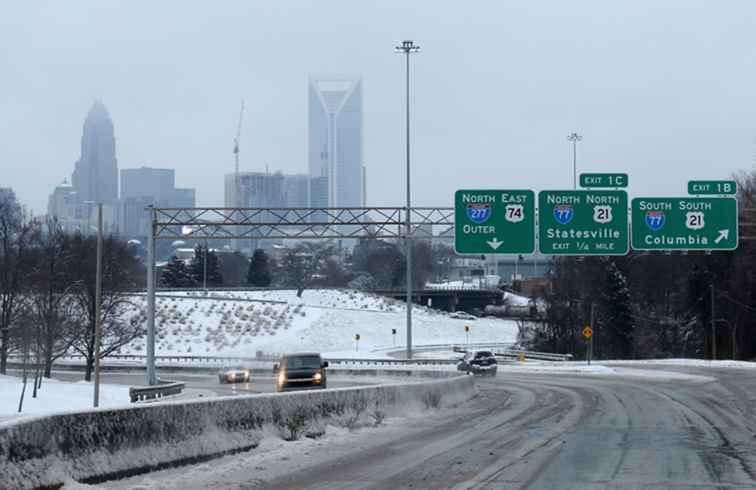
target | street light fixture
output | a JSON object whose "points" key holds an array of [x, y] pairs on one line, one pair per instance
{"points": [[574, 137], [407, 48]]}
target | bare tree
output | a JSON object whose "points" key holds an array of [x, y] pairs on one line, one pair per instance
{"points": [[14, 238], [50, 296], [121, 272]]}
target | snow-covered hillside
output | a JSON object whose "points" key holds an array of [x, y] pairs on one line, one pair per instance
{"points": [[228, 323]]}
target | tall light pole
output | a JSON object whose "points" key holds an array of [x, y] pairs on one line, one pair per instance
{"points": [[574, 137], [407, 48]]}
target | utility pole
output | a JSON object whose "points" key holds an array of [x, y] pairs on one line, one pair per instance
{"points": [[574, 137], [713, 323], [98, 308], [407, 48], [204, 271], [151, 376]]}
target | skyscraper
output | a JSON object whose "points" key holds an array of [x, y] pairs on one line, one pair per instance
{"points": [[95, 176], [335, 141]]}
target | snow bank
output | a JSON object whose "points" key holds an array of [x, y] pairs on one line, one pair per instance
{"points": [[47, 451], [701, 363], [56, 396], [601, 368]]}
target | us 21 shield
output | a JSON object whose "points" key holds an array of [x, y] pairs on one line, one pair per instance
{"points": [[479, 213], [655, 219], [564, 213]]}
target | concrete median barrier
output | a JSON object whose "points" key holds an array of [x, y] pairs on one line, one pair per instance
{"points": [[94, 445]]}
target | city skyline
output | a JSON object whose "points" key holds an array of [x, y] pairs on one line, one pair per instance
{"points": [[493, 116]]}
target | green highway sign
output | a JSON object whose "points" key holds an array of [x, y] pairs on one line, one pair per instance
{"points": [[603, 180], [494, 221], [712, 187], [582, 222], [685, 223]]}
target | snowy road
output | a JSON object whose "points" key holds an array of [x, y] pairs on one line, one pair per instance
{"points": [[526, 430]]}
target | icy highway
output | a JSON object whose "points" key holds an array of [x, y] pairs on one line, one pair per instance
{"points": [[693, 428], [205, 382]]}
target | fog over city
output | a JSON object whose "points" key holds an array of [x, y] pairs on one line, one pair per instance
{"points": [[662, 92]]}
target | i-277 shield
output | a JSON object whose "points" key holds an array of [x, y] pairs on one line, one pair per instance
{"points": [[494, 221]]}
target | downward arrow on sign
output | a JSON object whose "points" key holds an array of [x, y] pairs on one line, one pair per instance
{"points": [[495, 243]]}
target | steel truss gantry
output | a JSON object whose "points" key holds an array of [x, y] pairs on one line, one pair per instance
{"points": [[281, 224], [299, 223]]}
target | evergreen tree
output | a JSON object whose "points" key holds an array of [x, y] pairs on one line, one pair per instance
{"points": [[177, 275], [197, 267], [258, 273], [617, 323]]}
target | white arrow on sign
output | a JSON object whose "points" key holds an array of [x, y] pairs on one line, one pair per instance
{"points": [[495, 243], [723, 235]]}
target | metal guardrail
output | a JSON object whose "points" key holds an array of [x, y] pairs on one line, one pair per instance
{"points": [[164, 388], [271, 357], [516, 353]]}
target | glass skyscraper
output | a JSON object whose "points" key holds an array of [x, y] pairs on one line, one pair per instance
{"points": [[335, 141]]}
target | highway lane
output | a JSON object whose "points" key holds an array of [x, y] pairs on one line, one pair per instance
{"points": [[524, 430], [200, 383], [527, 430]]}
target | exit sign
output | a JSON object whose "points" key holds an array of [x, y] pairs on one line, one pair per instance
{"points": [[712, 187], [603, 180]]}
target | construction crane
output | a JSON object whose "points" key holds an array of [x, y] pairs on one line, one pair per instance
{"points": [[237, 181]]}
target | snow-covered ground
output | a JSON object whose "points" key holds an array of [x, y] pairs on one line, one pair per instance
{"points": [[687, 363], [321, 320], [56, 396], [611, 368]]}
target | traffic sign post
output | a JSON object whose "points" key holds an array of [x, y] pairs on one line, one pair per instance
{"points": [[356, 342], [583, 222], [494, 221], [712, 187], [467, 335], [685, 223], [604, 180]]}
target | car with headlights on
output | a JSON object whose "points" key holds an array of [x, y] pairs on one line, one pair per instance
{"points": [[300, 371], [481, 362], [234, 374]]}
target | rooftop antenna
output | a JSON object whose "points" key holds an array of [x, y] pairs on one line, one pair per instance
{"points": [[237, 181]]}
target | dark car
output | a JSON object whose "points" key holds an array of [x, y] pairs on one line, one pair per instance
{"points": [[481, 362], [234, 374], [301, 371]]}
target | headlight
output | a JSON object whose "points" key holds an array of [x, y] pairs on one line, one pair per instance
{"points": [[318, 377], [231, 377], [246, 373], [281, 378]]}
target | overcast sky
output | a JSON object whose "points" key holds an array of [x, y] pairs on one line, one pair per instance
{"points": [[665, 91]]}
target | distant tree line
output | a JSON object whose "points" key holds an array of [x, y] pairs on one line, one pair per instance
{"points": [[47, 292], [652, 304], [370, 265]]}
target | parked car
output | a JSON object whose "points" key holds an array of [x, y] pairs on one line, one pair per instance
{"points": [[481, 362], [300, 371], [234, 374]]}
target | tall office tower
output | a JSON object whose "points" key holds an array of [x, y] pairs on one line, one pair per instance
{"points": [[335, 141], [95, 176]]}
